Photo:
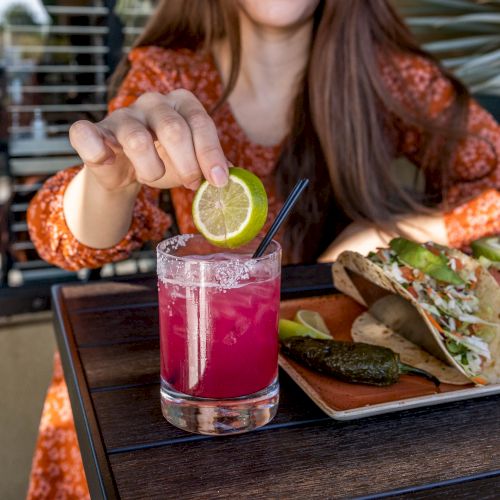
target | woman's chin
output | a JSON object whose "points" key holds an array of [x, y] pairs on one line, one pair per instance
{"points": [[279, 14]]}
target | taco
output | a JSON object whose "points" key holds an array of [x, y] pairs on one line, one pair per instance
{"points": [[438, 298]]}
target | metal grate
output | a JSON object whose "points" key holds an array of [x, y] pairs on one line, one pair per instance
{"points": [[54, 64]]}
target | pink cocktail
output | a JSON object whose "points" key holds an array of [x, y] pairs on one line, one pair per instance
{"points": [[218, 335], [227, 347]]}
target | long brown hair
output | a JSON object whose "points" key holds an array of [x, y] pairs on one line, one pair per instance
{"points": [[343, 115]]}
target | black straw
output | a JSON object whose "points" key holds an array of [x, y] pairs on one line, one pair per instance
{"points": [[280, 218]]}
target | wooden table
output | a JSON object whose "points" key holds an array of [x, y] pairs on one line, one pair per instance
{"points": [[108, 338]]}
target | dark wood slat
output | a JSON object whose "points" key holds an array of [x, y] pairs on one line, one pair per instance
{"points": [[304, 280], [485, 489], [116, 360], [122, 292], [146, 425], [120, 364], [115, 294], [114, 326], [110, 327], [328, 460]]}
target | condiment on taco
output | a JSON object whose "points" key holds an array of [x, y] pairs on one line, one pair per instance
{"points": [[487, 251], [457, 301]]}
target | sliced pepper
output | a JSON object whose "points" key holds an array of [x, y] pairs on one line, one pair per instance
{"points": [[419, 257], [480, 380], [436, 325]]}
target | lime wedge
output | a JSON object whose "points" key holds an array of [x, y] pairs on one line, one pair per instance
{"points": [[313, 320], [289, 329], [234, 214], [487, 247]]}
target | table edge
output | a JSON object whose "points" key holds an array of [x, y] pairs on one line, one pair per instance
{"points": [[98, 472]]}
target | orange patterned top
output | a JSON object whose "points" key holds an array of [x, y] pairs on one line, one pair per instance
{"points": [[413, 80]]}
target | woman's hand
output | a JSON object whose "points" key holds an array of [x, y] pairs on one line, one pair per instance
{"points": [[163, 141], [363, 237]]}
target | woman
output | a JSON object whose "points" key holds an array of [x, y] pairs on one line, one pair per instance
{"points": [[329, 90]]}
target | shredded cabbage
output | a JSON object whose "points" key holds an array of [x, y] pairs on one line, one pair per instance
{"points": [[455, 308]]}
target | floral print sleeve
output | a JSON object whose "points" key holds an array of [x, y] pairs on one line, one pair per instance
{"points": [[56, 244], [415, 81], [48, 229]]}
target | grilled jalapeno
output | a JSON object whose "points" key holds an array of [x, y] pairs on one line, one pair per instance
{"points": [[349, 361]]}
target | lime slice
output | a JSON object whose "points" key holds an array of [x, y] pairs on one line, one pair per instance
{"points": [[289, 329], [313, 320], [487, 247], [234, 214]]}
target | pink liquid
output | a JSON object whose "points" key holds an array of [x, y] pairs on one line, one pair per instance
{"points": [[219, 343]]}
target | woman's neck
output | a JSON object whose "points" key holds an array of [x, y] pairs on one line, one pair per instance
{"points": [[272, 58], [271, 66]]}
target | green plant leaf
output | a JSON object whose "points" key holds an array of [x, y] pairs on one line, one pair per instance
{"points": [[463, 34]]}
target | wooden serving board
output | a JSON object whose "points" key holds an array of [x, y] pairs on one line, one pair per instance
{"points": [[345, 401]]}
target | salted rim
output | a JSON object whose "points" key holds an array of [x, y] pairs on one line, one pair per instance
{"points": [[181, 240]]}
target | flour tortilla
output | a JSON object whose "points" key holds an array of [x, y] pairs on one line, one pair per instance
{"points": [[351, 265], [370, 331]]}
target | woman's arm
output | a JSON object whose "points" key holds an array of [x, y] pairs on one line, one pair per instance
{"points": [[56, 243], [87, 217], [86, 203], [162, 138], [62, 216], [476, 165], [363, 237]]}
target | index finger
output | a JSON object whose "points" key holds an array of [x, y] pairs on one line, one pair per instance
{"points": [[208, 150]]}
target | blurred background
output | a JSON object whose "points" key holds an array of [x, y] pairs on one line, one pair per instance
{"points": [[55, 58]]}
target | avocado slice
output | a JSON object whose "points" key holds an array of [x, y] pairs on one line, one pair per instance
{"points": [[488, 247], [417, 256]]}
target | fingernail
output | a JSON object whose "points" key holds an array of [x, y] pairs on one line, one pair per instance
{"points": [[219, 176]]}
